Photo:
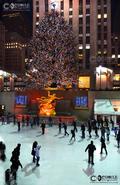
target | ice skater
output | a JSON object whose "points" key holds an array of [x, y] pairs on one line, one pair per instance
{"points": [[59, 126], [103, 145], [73, 135], [108, 133], [43, 128], [118, 139], [18, 124], [33, 150], [65, 129], [83, 131], [37, 154], [74, 126], [91, 148]]}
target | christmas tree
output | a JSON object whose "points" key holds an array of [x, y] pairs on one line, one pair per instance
{"points": [[53, 54]]}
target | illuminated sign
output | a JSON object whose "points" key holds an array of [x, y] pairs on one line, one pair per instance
{"points": [[81, 102], [21, 100], [84, 82]]}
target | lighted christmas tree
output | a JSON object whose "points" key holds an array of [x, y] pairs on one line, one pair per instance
{"points": [[53, 54]]}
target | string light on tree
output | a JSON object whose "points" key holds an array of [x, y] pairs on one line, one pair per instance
{"points": [[53, 54]]}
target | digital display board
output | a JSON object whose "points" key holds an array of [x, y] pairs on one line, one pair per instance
{"points": [[21, 100], [81, 102]]}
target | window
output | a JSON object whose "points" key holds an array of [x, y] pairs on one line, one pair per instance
{"points": [[99, 2], [37, 9], [80, 40], [62, 5], [80, 29], [99, 28], [70, 3], [88, 11], [105, 28], [105, 16], [87, 19], [70, 21], [37, 19], [105, 10], [88, 40], [80, 20], [87, 1], [62, 13], [99, 36], [105, 36], [87, 59], [46, 5], [70, 12], [99, 11], [99, 16], [88, 29], [105, 1], [80, 7], [37, 3]]}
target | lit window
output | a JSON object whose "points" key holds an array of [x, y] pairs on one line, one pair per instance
{"points": [[81, 15], [88, 46], [113, 56], [99, 16], [37, 23], [105, 16], [37, 15], [81, 47], [119, 56], [70, 9], [105, 52]]}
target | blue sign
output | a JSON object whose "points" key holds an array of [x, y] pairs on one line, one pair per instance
{"points": [[21, 100], [81, 101]]}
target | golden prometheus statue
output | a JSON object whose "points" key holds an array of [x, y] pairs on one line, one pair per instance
{"points": [[47, 104]]}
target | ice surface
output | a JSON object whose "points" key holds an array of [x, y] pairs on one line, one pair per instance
{"points": [[61, 163]]}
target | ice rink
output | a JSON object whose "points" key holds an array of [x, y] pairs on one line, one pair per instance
{"points": [[61, 163]]}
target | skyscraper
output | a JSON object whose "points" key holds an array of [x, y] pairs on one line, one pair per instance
{"points": [[91, 24], [2, 45]]}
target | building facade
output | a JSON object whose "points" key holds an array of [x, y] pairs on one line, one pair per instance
{"points": [[2, 45], [91, 23], [14, 53]]}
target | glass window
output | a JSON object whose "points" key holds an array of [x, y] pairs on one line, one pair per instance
{"points": [[46, 5], [105, 1], [88, 11], [70, 12], [70, 21], [70, 3], [62, 5], [88, 29], [87, 1], [37, 9], [80, 30], [88, 40], [99, 2], [37, 3], [80, 20], [87, 19], [99, 36], [80, 40], [105, 36], [62, 13], [37, 19]]}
